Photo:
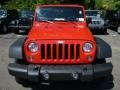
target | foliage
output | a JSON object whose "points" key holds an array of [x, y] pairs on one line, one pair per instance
{"points": [[89, 4], [98, 4], [107, 4], [117, 5]]}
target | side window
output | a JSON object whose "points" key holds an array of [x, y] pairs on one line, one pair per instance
{"points": [[8, 14], [13, 14]]}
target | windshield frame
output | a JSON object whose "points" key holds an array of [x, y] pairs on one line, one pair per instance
{"points": [[58, 19], [23, 13], [93, 13]]}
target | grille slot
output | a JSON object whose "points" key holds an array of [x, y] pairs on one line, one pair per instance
{"points": [[72, 51], [54, 51], [77, 51], [60, 51], [66, 51], [42, 51], [48, 51]]}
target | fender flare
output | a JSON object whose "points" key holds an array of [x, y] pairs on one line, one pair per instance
{"points": [[103, 49], [16, 49]]}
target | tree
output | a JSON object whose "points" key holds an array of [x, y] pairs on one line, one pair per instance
{"points": [[89, 4], [107, 4], [117, 5]]}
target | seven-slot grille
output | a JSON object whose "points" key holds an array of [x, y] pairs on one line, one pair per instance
{"points": [[60, 51], [95, 22]]}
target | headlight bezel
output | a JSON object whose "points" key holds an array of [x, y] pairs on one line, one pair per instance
{"points": [[87, 47], [33, 47]]}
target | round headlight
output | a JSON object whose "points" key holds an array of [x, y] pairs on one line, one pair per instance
{"points": [[87, 47], [3, 16], [12, 22], [33, 47]]}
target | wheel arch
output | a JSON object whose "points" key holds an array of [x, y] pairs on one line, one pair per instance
{"points": [[103, 49], [16, 49]]}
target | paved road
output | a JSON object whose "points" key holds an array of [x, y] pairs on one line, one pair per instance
{"points": [[7, 82]]}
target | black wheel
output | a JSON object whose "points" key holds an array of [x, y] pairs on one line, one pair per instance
{"points": [[104, 31], [104, 83], [99, 61], [21, 80], [16, 31], [4, 28]]}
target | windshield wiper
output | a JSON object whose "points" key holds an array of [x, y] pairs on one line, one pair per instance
{"points": [[46, 21]]}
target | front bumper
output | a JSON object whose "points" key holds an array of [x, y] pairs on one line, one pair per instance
{"points": [[98, 27], [36, 73], [19, 27]]}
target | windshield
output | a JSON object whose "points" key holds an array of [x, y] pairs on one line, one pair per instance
{"points": [[26, 13], [93, 13], [2, 12], [60, 13]]}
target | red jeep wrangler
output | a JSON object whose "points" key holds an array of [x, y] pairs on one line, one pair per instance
{"points": [[59, 47]]}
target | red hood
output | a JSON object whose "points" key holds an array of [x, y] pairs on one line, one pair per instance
{"points": [[60, 30]]}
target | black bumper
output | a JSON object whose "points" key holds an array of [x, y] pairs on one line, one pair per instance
{"points": [[98, 27], [38, 73], [20, 27]]}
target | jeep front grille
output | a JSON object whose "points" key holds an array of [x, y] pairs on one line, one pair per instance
{"points": [[60, 51], [96, 22]]}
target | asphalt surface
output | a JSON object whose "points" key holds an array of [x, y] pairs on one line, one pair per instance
{"points": [[8, 82]]}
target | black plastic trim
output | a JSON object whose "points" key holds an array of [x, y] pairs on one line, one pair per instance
{"points": [[16, 49], [103, 49], [18, 70], [36, 73]]}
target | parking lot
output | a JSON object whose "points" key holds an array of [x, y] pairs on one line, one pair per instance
{"points": [[7, 82]]}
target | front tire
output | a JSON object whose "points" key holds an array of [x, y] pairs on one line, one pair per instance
{"points": [[21, 80], [104, 31], [105, 83], [16, 31], [99, 61], [4, 28]]}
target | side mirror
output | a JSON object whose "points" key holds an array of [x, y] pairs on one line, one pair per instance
{"points": [[89, 20]]}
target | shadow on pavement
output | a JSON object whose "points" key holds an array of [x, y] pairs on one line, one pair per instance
{"points": [[105, 84], [96, 33], [22, 33]]}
